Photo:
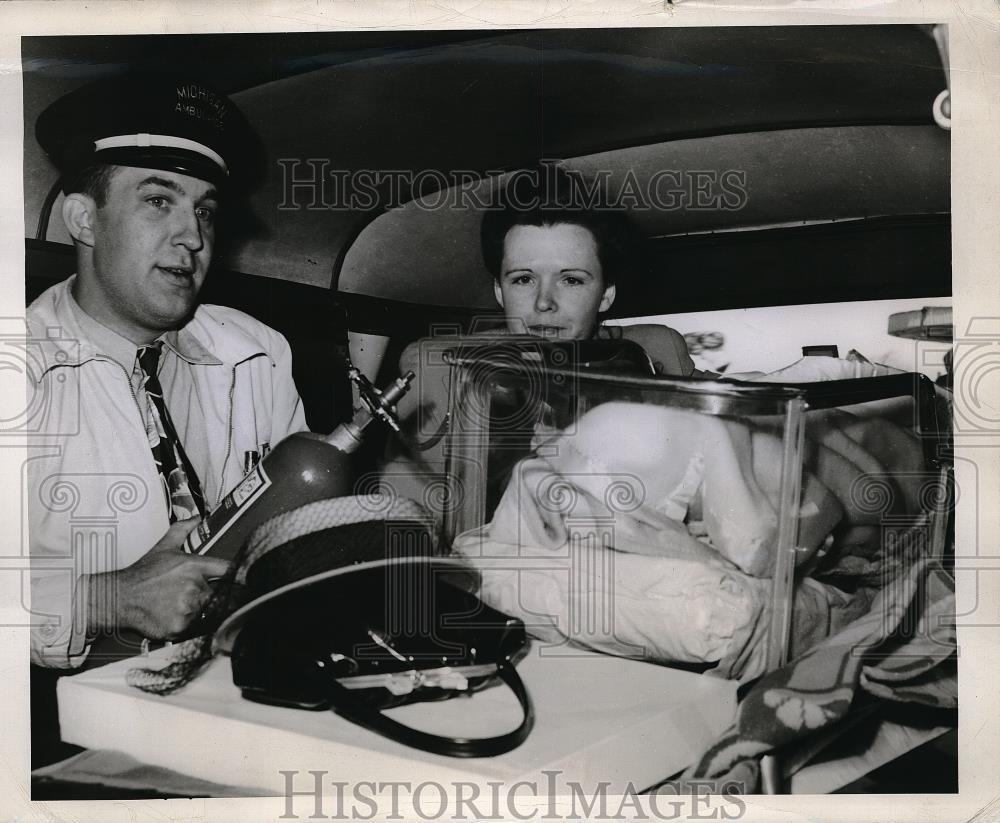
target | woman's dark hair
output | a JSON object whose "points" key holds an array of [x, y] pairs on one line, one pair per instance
{"points": [[619, 243]]}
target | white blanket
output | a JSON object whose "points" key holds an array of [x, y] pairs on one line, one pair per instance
{"points": [[649, 532]]}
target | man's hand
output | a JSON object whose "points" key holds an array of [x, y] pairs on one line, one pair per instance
{"points": [[159, 594]]}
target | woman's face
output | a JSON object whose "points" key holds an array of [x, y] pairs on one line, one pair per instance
{"points": [[551, 283]]}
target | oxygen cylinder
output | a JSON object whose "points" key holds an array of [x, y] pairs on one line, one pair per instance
{"points": [[302, 468]]}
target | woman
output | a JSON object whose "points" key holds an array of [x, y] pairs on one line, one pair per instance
{"points": [[556, 269]]}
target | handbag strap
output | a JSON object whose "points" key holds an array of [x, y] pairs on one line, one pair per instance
{"points": [[350, 707]]}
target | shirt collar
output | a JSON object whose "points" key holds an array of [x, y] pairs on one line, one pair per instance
{"points": [[104, 340], [186, 346], [111, 344]]}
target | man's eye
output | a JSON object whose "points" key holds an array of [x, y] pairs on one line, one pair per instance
{"points": [[205, 215], [157, 202]]}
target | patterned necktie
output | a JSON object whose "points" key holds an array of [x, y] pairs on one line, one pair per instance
{"points": [[180, 481]]}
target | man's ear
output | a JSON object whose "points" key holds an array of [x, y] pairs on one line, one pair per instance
{"points": [[78, 213], [607, 299], [498, 292]]}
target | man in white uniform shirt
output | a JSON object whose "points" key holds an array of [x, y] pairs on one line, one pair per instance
{"points": [[152, 401]]}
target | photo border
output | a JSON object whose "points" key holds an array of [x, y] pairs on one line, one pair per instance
{"points": [[974, 54]]}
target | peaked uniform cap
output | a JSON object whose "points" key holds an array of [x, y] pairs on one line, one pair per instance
{"points": [[151, 121]]}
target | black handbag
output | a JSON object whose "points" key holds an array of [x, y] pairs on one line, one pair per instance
{"points": [[346, 605], [334, 645]]}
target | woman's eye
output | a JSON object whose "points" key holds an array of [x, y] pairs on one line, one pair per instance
{"points": [[521, 280], [572, 281]]}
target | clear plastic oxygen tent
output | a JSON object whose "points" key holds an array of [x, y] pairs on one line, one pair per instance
{"points": [[728, 527]]}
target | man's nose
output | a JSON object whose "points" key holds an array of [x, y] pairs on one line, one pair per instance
{"points": [[188, 231]]}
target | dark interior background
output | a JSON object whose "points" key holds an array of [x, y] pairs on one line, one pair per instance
{"points": [[847, 174]]}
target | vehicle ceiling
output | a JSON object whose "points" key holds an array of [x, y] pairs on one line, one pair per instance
{"points": [[846, 174]]}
